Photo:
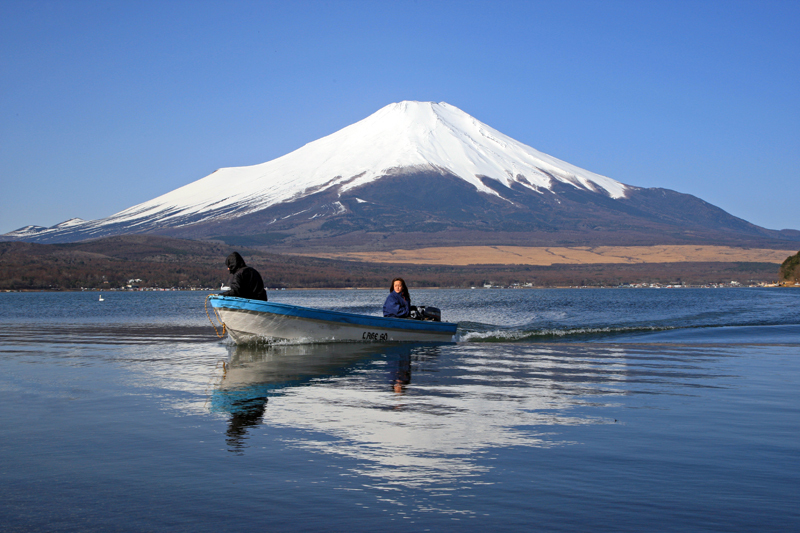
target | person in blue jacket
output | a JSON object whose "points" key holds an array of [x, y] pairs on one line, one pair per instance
{"points": [[398, 303]]}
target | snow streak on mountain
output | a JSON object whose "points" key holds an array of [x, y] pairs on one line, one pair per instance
{"points": [[405, 136]]}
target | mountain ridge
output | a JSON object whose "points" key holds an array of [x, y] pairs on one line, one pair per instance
{"points": [[418, 168]]}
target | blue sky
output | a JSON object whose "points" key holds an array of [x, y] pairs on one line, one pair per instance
{"points": [[107, 104]]}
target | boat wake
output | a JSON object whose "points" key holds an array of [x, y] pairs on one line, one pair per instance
{"points": [[705, 333], [474, 332]]}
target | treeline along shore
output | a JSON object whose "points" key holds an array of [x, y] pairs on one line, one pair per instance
{"points": [[162, 262]]}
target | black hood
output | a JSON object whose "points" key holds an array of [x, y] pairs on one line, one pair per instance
{"points": [[235, 262]]}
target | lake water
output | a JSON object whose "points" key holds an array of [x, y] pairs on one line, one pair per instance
{"points": [[558, 410]]}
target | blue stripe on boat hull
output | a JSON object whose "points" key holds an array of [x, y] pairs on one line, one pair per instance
{"points": [[249, 319]]}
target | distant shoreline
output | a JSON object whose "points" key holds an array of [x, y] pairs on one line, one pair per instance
{"points": [[666, 286]]}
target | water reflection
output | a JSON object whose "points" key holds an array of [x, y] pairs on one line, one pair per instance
{"points": [[244, 414], [411, 415], [256, 372], [426, 416], [400, 372], [429, 417]]}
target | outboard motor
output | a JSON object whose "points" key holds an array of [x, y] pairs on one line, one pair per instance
{"points": [[431, 313], [423, 312]]}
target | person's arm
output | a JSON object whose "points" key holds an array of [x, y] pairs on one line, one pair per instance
{"points": [[404, 307], [236, 285], [390, 306]]}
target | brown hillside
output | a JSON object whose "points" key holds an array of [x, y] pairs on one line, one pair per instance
{"points": [[166, 262]]}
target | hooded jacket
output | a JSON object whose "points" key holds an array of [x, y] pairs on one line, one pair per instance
{"points": [[246, 282]]}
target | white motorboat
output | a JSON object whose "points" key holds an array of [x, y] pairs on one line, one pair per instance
{"points": [[256, 320]]}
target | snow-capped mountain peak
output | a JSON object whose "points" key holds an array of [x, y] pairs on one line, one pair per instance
{"points": [[401, 135]]}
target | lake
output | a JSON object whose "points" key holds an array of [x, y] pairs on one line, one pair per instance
{"points": [[557, 410]]}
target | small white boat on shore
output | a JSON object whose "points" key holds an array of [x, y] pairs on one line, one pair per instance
{"points": [[255, 320]]}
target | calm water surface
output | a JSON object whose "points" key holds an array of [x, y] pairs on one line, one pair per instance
{"points": [[558, 410]]}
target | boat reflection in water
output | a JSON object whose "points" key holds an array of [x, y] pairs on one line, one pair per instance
{"points": [[414, 415], [255, 373]]}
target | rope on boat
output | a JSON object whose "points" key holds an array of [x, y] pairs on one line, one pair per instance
{"points": [[218, 318]]}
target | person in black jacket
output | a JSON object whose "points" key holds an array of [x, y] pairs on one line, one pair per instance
{"points": [[246, 282]]}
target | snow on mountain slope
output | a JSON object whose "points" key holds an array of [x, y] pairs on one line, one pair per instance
{"points": [[404, 135], [401, 135]]}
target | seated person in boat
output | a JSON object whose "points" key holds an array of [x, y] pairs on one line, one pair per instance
{"points": [[398, 303], [246, 282]]}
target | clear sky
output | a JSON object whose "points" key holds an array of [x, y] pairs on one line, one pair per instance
{"points": [[107, 104]]}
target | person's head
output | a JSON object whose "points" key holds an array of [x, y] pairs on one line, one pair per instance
{"points": [[399, 286], [234, 262]]}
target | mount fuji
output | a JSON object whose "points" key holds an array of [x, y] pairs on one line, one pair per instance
{"points": [[416, 173]]}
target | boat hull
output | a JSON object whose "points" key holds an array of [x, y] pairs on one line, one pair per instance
{"points": [[255, 320]]}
